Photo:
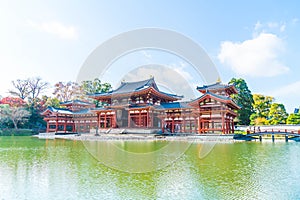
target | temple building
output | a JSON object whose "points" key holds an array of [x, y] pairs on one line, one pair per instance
{"points": [[132, 105], [75, 117], [141, 105], [215, 109]]}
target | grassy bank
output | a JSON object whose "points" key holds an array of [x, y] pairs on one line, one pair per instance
{"points": [[16, 132]]}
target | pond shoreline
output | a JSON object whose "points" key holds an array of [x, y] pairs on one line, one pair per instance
{"points": [[141, 137]]}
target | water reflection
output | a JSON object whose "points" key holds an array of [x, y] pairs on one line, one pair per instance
{"points": [[137, 156], [60, 169]]}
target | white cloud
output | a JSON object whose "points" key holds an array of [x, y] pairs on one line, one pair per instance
{"points": [[277, 27], [181, 69], [258, 26], [147, 55], [295, 21], [56, 28], [288, 95], [255, 57], [290, 90], [168, 79], [282, 28]]}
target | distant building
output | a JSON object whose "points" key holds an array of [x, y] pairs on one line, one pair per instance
{"points": [[142, 105], [76, 117], [215, 110]]}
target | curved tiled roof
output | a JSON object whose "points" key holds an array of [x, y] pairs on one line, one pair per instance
{"points": [[77, 102], [217, 86], [132, 87], [67, 111], [58, 110], [221, 97]]}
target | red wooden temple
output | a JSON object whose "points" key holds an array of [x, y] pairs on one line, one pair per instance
{"points": [[142, 105], [132, 105], [75, 117], [215, 109]]}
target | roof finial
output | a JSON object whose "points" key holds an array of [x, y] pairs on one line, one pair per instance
{"points": [[151, 76], [219, 80]]}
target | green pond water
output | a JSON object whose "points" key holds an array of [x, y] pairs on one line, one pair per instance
{"points": [[32, 168]]}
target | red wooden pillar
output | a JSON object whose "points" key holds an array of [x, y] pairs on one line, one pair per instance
{"points": [[129, 119], [172, 128], [199, 126], [152, 119], [73, 127], [232, 124], [115, 120], [105, 120], [195, 122], [56, 124], [147, 119], [223, 123], [140, 118], [47, 130], [163, 125], [183, 124], [65, 127], [65, 124], [229, 126], [91, 123]]}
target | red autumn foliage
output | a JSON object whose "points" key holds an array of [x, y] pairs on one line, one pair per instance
{"points": [[13, 101]]}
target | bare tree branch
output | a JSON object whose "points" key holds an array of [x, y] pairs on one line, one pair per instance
{"points": [[36, 86], [67, 91], [21, 87]]}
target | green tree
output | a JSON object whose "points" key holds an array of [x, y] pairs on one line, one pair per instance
{"points": [[293, 118], [35, 120], [95, 86], [277, 114], [244, 99], [51, 101], [261, 108]]}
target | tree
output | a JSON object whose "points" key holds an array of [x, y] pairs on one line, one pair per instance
{"points": [[259, 120], [21, 88], [67, 91], [36, 87], [31, 87], [15, 114], [244, 99], [35, 119], [293, 118], [50, 101], [261, 108], [13, 101], [95, 86], [277, 114]]}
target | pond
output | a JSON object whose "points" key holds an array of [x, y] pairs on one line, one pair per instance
{"points": [[32, 168]]}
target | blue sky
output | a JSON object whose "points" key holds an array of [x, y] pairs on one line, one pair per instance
{"points": [[256, 40]]}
